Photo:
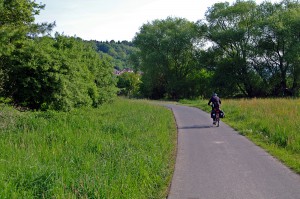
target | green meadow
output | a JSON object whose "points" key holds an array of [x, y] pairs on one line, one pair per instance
{"points": [[271, 123], [121, 150]]}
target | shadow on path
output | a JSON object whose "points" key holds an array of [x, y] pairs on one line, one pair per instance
{"points": [[195, 127]]}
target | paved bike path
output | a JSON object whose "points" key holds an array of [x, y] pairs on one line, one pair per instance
{"points": [[218, 163]]}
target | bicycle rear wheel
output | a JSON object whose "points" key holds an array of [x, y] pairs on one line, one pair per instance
{"points": [[218, 119]]}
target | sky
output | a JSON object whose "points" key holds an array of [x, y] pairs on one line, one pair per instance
{"points": [[106, 20]]}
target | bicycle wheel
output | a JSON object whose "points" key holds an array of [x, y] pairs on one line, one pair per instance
{"points": [[217, 119]]}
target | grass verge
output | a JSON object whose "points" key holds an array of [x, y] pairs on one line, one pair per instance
{"points": [[120, 150], [270, 123]]}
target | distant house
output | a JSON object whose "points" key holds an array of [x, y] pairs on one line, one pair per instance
{"points": [[125, 70]]}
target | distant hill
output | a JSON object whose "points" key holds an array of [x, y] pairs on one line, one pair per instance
{"points": [[119, 51]]}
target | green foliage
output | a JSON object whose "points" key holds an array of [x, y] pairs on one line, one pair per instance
{"points": [[58, 73], [16, 18], [278, 44], [48, 73], [119, 52], [119, 150], [255, 48], [17, 22], [253, 51], [168, 58], [129, 84], [230, 28], [87, 78]]}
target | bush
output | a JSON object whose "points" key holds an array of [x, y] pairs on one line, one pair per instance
{"points": [[58, 73]]}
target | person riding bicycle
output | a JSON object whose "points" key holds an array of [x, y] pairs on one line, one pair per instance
{"points": [[216, 102]]}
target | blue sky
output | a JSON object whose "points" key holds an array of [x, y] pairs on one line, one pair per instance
{"points": [[116, 19]]}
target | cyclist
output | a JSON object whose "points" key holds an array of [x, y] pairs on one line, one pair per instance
{"points": [[216, 102]]}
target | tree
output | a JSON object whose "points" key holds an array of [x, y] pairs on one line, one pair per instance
{"points": [[255, 47], [17, 22], [230, 28], [278, 41], [167, 54], [129, 84], [16, 25]]}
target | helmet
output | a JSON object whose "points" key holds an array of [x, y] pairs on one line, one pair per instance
{"points": [[215, 94]]}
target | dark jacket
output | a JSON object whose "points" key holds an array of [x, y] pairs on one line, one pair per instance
{"points": [[215, 100]]}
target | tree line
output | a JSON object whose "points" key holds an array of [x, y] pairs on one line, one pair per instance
{"points": [[38, 71], [239, 49]]}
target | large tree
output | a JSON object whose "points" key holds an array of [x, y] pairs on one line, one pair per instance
{"points": [[16, 21], [255, 48], [230, 29], [278, 44], [168, 57]]}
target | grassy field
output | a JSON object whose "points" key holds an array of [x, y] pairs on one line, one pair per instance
{"points": [[270, 123], [120, 150]]}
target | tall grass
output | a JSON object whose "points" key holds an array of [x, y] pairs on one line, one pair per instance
{"points": [[271, 123], [121, 150]]}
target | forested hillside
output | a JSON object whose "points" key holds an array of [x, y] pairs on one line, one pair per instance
{"points": [[119, 51]]}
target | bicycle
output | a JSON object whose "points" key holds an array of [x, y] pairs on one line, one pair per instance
{"points": [[216, 114], [217, 119]]}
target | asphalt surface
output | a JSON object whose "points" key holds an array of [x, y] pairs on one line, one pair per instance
{"points": [[218, 163]]}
